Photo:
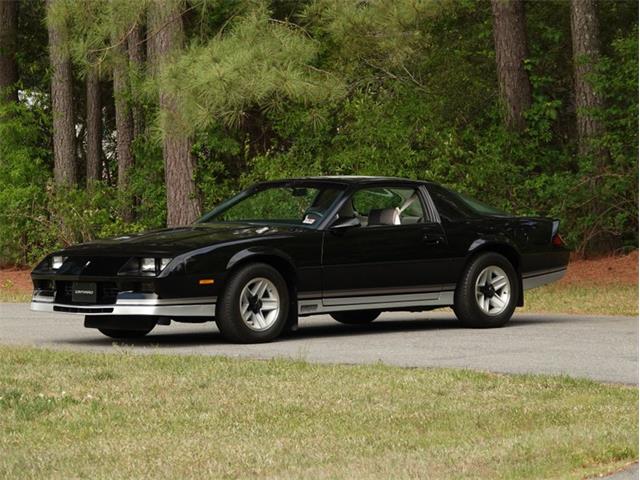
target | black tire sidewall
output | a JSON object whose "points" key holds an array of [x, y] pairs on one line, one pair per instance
{"points": [[228, 316], [465, 305]]}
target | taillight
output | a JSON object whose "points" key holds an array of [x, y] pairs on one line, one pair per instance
{"points": [[557, 241]]}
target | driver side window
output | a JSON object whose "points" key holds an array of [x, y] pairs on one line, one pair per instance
{"points": [[385, 206]]}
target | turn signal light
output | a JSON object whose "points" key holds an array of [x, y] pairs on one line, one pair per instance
{"points": [[206, 281], [557, 240]]}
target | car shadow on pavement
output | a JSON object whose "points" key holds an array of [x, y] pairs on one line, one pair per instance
{"points": [[390, 326], [163, 337]]}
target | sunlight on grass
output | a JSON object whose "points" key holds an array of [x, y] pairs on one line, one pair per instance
{"points": [[66, 415], [606, 299], [12, 296]]}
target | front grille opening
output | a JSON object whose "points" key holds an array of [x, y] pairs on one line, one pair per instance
{"points": [[58, 308], [107, 292], [46, 285]]}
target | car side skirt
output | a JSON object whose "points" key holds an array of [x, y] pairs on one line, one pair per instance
{"points": [[378, 302]]}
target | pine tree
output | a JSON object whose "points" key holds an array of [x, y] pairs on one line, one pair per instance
{"points": [[167, 30], [124, 119], [586, 50], [8, 34], [510, 39], [94, 125], [64, 137]]}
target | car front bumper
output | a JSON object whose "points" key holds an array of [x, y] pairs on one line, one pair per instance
{"points": [[128, 303]]}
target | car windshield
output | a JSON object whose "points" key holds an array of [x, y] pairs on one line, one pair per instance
{"points": [[290, 205]]}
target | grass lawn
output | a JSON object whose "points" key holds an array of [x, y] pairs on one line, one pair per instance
{"points": [[76, 415], [587, 298]]}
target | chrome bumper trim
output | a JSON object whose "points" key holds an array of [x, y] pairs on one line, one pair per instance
{"points": [[537, 279], [126, 305]]}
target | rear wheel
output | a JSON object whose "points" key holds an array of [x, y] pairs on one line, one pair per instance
{"points": [[487, 293], [356, 317], [254, 305]]}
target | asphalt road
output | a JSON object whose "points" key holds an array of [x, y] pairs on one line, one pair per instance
{"points": [[597, 347], [630, 473]]}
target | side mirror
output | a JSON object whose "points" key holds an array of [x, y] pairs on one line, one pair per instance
{"points": [[343, 224]]}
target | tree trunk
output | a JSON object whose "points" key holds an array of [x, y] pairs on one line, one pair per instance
{"points": [[135, 45], [124, 125], [8, 41], [510, 39], [64, 135], [586, 50], [166, 30], [94, 126]]}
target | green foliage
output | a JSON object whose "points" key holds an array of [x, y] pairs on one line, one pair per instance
{"points": [[272, 89], [35, 217], [260, 63], [25, 159]]}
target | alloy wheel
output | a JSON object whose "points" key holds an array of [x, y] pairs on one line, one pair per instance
{"points": [[493, 290], [259, 304]]}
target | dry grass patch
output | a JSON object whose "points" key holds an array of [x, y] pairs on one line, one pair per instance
{"points": [[76, 415]]}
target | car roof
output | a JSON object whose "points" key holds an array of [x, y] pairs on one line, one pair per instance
{"points": [[343, 180]]}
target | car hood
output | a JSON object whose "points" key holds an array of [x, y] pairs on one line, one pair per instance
{"points": [[173, 241]]}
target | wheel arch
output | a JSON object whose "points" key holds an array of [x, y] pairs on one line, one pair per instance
{"points": [[504, 248]]}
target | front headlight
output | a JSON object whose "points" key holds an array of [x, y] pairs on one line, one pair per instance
{"points": [[144, 266], [57, 261], [148, 265]]}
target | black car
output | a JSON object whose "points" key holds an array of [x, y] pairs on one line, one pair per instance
{"points": [[348, 246]]}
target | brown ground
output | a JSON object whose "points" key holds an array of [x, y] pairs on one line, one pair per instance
{"points": [[14, 280], [614, 269]]}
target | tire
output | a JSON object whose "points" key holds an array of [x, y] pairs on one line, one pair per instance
{"points": [[482, 300], [242, 315], [124, 334], [356, 317]]}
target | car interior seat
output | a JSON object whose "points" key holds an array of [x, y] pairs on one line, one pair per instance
{"points": [[384, 216]]}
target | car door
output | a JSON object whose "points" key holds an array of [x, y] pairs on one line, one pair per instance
{"points": [[390, 260]]}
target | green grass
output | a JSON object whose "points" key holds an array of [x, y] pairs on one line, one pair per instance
{"points": [[606, 299], [78, 415]]}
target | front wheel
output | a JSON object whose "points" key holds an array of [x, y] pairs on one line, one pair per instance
{"points": [[356, 317], [254, 305], [487, 294]]}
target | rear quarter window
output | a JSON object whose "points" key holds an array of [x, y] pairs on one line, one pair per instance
{"points": [[450, 207], [456, 206]]}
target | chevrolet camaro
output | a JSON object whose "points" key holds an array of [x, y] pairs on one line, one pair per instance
{"points": [[351, 247]]}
